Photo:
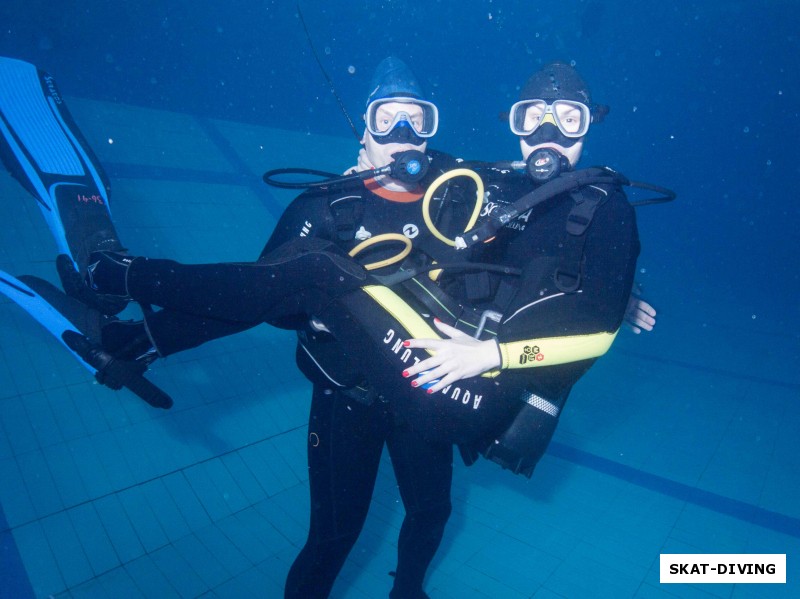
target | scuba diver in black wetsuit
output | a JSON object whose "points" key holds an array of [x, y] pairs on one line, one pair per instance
{"points": [[575, 288], [349, 423], [578, 253]]}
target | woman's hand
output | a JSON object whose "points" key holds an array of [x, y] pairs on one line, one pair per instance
{"points": [[456, 358]]}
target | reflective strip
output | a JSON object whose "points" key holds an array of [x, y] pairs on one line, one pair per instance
{"points": [[532, 353], [410, 320], [319, 366], [540, 403]]}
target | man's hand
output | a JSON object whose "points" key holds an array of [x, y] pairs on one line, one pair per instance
{"points": [[456, 358], [639, 315], [363, 164]]}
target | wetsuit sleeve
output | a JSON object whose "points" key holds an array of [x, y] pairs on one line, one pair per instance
{"points": [[306, 216], [544, 326]]}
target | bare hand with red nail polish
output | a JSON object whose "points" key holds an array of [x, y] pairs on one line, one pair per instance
{"points": [[456, 358]]}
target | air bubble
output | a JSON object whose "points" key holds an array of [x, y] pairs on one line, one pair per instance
{"points": [[351, 69]]}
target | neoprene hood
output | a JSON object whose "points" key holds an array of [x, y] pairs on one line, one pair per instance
{"points": [[393, 78], [556, 81]]}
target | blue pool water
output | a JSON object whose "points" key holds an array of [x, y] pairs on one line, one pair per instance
{"points": [[678, 441]]}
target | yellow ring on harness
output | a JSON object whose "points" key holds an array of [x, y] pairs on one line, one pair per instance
{"points": [[380, 239], [426, 201]]}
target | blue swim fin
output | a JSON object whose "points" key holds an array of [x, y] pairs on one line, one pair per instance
{"points": [[45, 151], [78, 327]]}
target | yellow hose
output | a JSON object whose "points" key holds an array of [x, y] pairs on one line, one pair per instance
{"points": [[426, 216], [379, 239], [426, 201]]}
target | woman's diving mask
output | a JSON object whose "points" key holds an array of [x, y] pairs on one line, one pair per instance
{"points": [[571, 118]]}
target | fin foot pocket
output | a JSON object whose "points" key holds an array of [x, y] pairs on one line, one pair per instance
{"points": [[116, 374], [128, 340], [72, 282]]}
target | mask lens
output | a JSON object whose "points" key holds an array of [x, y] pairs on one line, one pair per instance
{"points": [[526, 116], [385, 114], [571, 117]]}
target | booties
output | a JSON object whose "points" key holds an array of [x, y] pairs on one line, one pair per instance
{"points": [[107, 274], [75, 286], [128, 340]]}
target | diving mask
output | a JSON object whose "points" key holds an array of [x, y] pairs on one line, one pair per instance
{"points": [[571, 118], [386, 114]]}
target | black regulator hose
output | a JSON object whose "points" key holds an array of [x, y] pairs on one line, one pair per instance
{"points": [[409, 167]]}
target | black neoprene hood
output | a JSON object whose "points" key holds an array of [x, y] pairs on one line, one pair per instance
{"points": [[556, 81]]}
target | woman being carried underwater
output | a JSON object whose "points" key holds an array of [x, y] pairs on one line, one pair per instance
{"points": [[554, 296]]}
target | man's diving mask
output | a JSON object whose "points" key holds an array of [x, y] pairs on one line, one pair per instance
{"points": [[401, 120], [571, 118]]}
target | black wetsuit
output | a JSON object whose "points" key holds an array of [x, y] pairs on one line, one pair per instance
{"points": [[574, 285], [576, 281], [349, 423], [350, 420], [537, 305]]}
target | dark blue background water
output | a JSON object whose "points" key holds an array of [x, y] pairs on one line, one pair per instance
{"points": [[704, 99]]}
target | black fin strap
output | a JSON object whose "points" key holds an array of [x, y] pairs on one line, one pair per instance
{"points": [[506, 292], [116, 374]]}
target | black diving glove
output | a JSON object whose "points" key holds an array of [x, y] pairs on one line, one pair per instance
{"points": [[107, 273]]}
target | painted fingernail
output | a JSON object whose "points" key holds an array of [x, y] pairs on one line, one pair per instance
{"points": [[436, 320], [405, 374], [430, 391], [414, 383], [406, 343]]}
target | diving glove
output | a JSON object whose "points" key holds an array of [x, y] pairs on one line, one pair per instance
{"points": [[107, 273]]}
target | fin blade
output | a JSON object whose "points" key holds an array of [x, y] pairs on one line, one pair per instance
{"points": [[41, 311], [45, 151], [71, 327]]}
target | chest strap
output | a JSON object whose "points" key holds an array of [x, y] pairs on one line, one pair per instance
{"points": [[347, 214], [569, 272]]}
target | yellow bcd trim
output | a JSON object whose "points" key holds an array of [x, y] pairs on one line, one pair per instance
{"points": [[528, 353], [550, 351]]}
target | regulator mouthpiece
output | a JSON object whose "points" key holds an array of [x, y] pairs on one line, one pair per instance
{"points": [[545, 164], [409, 166]]}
